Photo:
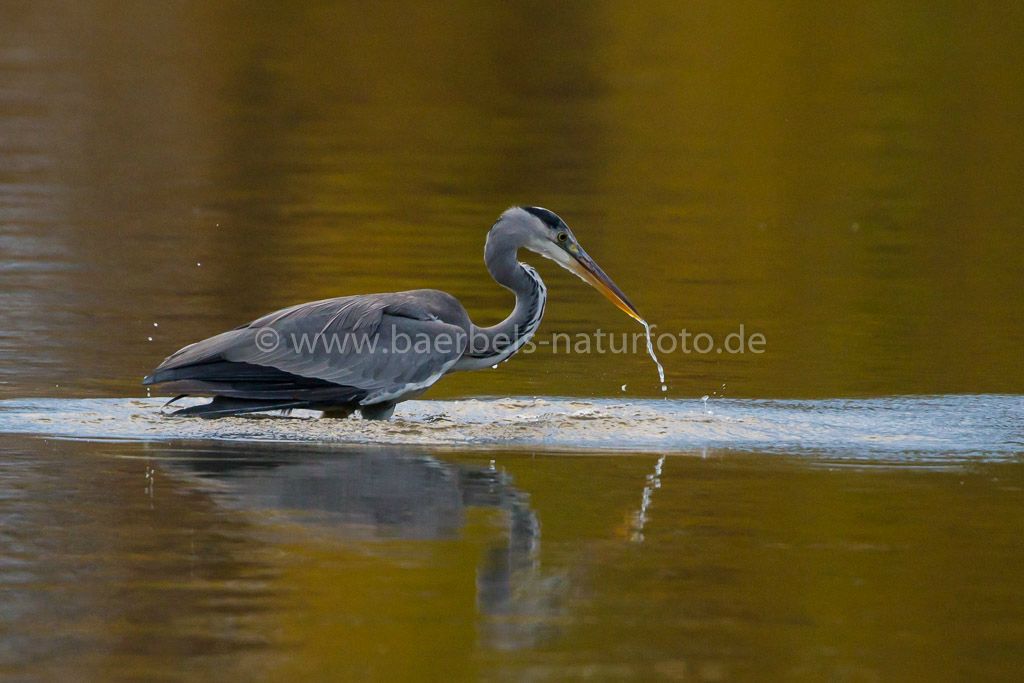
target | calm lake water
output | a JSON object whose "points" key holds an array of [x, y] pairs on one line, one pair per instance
{"points": [[843, 179]]}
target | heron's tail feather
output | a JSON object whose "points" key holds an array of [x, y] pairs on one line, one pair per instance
{"points": [[225, 407], [252, 382], [175, 399]]}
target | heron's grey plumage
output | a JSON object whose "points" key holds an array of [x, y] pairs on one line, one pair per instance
{"points": [[372, 351]]}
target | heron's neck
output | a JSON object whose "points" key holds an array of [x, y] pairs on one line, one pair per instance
{"points": [[491, 345]]}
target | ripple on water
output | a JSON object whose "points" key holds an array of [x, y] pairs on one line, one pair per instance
{"points": [[950, 427]]}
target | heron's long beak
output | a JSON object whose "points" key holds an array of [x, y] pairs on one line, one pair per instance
{"points": [[588, 270]]}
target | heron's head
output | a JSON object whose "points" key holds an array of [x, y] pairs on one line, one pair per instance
{"points": [[543, 232]]}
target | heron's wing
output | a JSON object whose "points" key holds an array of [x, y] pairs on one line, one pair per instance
{"points": [[382, 346]]}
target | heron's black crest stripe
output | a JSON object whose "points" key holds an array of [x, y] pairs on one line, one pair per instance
{"points": [[549, 218]]}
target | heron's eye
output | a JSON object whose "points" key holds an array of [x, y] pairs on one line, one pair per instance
{"points": [[563, 237]]}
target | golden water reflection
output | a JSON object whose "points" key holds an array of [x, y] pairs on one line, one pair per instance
{"points": [[327, 562]]}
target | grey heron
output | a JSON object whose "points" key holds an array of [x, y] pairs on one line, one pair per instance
{"points": [[372, 351]]}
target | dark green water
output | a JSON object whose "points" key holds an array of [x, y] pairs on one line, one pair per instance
{"points": [[843, 180]]}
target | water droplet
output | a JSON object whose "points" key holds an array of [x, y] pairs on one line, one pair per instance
{"points": [[198, 264], [156, 324], [664, 387], [494, 367], [623, 387], [149, 338], [650, 351]]}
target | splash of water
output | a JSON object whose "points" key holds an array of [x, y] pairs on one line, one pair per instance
{"points": [[937, 429], [650, 352]]}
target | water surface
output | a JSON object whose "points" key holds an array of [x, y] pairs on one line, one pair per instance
{"points": [[129, 560]]}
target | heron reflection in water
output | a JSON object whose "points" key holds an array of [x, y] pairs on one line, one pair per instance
{"points": [[398, 494], [358, 352]]}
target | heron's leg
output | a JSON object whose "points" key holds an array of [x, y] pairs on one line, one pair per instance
{"points": [[338, 412], [379, 411]]}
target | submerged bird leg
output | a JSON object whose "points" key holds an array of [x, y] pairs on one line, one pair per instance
{"points": [[378, 411], [338, 413]]}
